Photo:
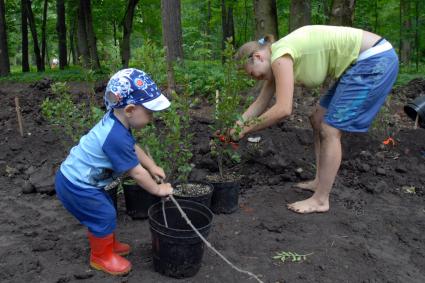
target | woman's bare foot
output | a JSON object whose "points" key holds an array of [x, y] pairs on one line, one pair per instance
{"points": [[309, 185], [309, 205]]}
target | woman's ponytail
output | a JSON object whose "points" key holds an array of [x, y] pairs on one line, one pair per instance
{"points": [[267, 39], [246, 50]]}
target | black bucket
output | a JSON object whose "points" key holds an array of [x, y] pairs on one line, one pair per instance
{"points": [[416, 107], [138, 201], [178, 250], [113, 194], [204, 199], [225, 197]]}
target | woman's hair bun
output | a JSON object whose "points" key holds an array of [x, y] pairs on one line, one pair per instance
{"points": [[269, 38]]}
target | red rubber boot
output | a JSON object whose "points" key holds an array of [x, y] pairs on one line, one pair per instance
{"points": [[121, 248], [103, 258]]}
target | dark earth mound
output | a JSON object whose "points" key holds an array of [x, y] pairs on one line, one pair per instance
{"points": [[374, 231]]}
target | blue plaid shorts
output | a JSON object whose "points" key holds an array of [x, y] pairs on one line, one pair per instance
{"points": [[355, 99]]}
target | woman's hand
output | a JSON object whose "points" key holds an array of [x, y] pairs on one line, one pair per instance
{"points": [[238, 132], [157, 173], [235, 136]]}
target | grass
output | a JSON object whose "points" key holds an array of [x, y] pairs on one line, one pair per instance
{"points": [[408, 73], [73, 73], [206, 71]]}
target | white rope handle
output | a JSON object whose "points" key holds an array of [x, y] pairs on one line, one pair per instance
{"points": [[209, 244]]}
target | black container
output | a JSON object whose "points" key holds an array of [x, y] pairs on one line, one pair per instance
{"points": [[113, 194], [416, 107], [178, 250], [204, 199], [138, 201], [225, 198]]}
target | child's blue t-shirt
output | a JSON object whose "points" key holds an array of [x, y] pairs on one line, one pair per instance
{"points": [[106, 152]]}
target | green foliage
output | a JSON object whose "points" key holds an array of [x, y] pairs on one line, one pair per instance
{"points": [[178, 139], [201, 24], [74, 120], [409, 72], [229, 100], [149, 139], [74, 73], [170, 146], [111, 58], [384, 125], [294, 257], [227, 108], [151, 59]]}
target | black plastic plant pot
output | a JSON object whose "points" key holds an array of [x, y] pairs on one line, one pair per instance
{"points": [[415, 108], [177, 249], [225, 198], [113, 195], [138, 201], [200, 192]]}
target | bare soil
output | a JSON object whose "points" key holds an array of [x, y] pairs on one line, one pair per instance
{"points": [[374, 231]]}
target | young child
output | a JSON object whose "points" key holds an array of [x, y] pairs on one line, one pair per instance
{"points": [[365, 67], [107, 151]]}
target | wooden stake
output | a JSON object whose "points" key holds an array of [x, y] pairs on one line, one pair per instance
{"points": [[19, 114], [217, 101], [416, 122]]}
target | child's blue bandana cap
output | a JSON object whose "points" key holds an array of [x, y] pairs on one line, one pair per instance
{"points": [[133, 86]]}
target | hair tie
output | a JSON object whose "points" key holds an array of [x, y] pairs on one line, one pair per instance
{"points": [[262, 41]]}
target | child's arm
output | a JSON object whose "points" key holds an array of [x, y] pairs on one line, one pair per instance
{"points": [[144, 179], [148, 163]]}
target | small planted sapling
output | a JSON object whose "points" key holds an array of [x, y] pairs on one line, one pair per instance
{"points": [[228, 103], [227, 108], [177, 139], [72, 119]]}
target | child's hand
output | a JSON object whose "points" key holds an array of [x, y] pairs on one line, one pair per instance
{"points": [[165, 189], [157, 173]]}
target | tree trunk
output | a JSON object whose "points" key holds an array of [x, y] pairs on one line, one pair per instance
{"points": [[171, 29], [376, 17], [82, 45], [24, 37], [265, 14], [4, 52], [342, 13], [72, 50], [91, 37], [300, 14], [127, 25], [61, 30], [417, 42], [326, 11], [405, 35], [227, 24], [247, 15], [31, 21], [208, 23], [43, 34], [115, 33]]}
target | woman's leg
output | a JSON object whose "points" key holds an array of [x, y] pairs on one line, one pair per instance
{"points": [[329, 162], [315, 120]]}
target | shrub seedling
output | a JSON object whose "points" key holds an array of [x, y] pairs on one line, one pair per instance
{"points": [[294, 257]]}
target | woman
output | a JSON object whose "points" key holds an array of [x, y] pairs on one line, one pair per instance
{"points": [[365, 67]]}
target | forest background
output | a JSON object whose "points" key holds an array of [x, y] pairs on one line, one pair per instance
{"points": [[106, 35]]}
